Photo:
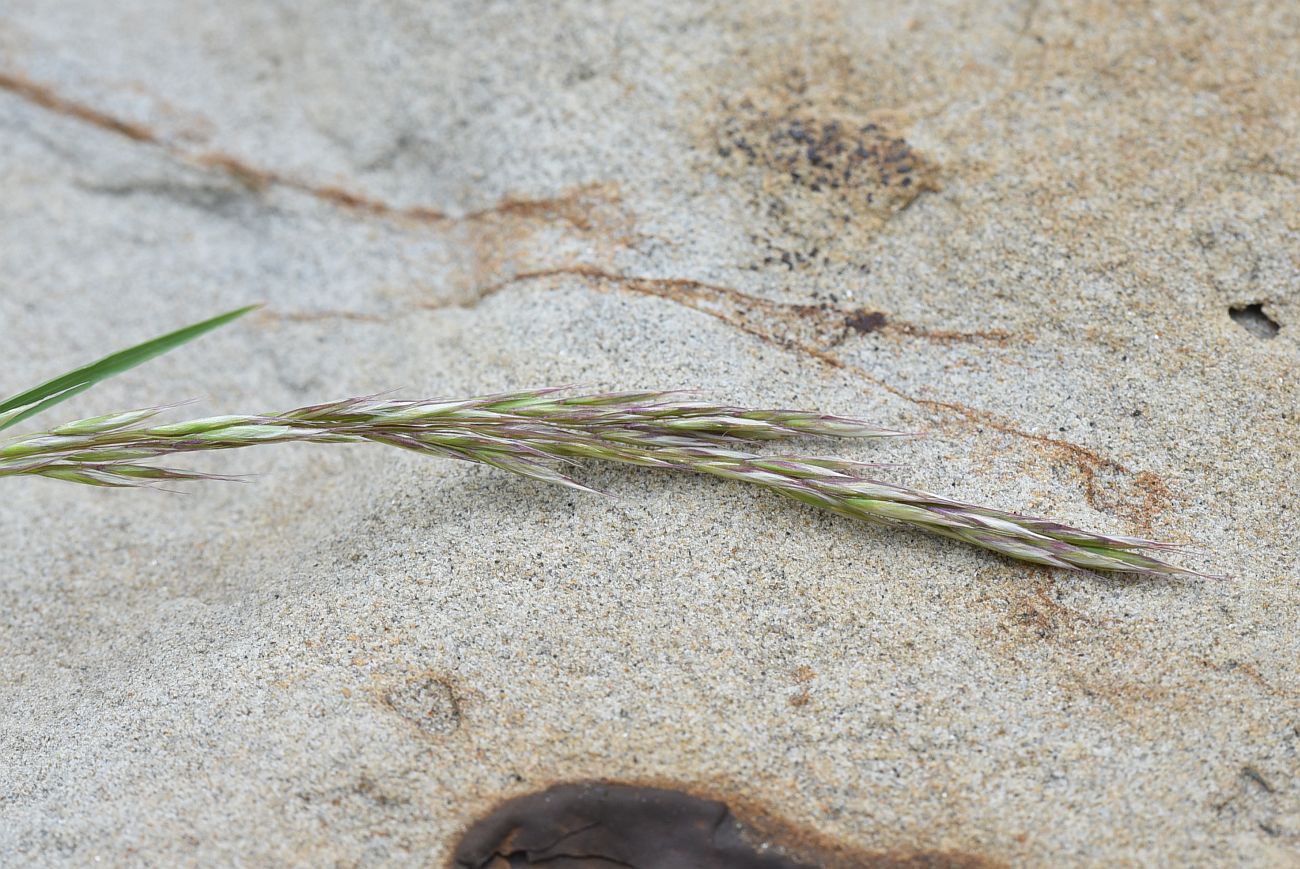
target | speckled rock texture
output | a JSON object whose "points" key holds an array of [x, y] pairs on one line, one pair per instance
{"points": [[1023, 228]]}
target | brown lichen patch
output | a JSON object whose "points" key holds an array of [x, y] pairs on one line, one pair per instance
{"points": [[863, 168], [820, 179], [601, 824]]}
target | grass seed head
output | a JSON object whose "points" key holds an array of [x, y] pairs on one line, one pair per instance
{"points": [[537, 433]]}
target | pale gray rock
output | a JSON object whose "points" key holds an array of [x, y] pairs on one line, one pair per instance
{"points": [[1019, 227]]}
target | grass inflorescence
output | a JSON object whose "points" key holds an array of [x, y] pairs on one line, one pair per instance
{"points": [[540, 433]]}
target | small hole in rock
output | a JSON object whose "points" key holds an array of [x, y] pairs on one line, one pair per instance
{"points": [[1253, 319]]}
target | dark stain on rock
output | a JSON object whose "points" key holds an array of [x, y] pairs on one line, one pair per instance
{"points": [[864, 321], [824, 180], [823, 155], [594, 825]]}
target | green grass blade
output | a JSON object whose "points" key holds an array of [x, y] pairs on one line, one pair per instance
{"points": [[63, 387]]}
